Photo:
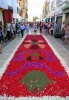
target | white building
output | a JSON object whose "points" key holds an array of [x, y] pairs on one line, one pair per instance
{"points": [[6, 5], [58, 11]]}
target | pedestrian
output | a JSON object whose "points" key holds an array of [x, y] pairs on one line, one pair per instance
{"points": [[66, 29], [17, 27], [51, 29], [14, 28], [8, 30], [27, 28], [45, 28], [5, 31], [1, 32], [55, 28], [12, 31], [40, 27], [22, 28], [0, 49], [62, 30], [35, 27]]}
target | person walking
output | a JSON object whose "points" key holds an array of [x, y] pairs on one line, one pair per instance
{"points": [[45, 29], [62, 30], [27, 28], [22, 28], [35, 27], [12, 31]]}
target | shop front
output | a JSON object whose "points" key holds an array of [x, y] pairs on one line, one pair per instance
{"points": [[53, 19], [66, 12], [67, 18]]}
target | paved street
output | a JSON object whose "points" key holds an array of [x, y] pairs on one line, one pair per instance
{"points": [[62, 51], [34, 60]]}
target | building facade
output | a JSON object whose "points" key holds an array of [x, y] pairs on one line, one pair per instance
{"points": [[58, 12], [23, 11], [7, 9], [45, 9], [13, 10]]}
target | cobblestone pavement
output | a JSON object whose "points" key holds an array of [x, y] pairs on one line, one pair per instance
{"points": [[9, 49]]}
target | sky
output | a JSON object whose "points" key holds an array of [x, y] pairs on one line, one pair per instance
{"points": [[35, 7]]}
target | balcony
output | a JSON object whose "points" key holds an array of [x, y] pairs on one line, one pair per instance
{"points": [[60, 2], [26, 15], [20, 11], [67, 1], [52, 5], [65, 7], [25, 6]]}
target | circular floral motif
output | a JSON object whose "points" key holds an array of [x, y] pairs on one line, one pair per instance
{"points": [[48, 55]]}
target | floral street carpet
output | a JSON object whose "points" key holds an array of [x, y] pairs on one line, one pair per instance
{"points": [[34, 70]]}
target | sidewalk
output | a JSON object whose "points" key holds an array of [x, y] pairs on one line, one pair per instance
{"points": [[8, 50], [59, 40]]}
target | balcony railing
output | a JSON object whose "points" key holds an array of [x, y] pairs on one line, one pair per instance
{"points": [[58, 1], [67, 1], [52, 5]]}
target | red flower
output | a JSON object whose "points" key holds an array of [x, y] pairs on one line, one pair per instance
{"points": [[28, 60]]}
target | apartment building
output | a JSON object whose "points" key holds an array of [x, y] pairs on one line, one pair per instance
{"points": [[58, 11], [23, 11], [7, 9], [45, 9]]}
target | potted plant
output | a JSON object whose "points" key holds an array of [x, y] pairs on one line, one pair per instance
{"points": [[57, 35]]}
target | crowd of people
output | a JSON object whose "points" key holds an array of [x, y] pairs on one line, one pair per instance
{"points": [[52, 28], [9, 30]]}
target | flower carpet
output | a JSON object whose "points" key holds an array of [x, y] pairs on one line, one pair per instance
{"points": [[34, 70]]}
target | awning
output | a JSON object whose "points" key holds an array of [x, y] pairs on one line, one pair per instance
{"points": [[46, 19], [65, 7]]}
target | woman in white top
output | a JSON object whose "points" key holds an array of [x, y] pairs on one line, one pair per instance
{"points": [[8, 31]]}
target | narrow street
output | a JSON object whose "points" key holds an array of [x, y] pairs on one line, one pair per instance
{"points": [[10, 49], [34, 49]]}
